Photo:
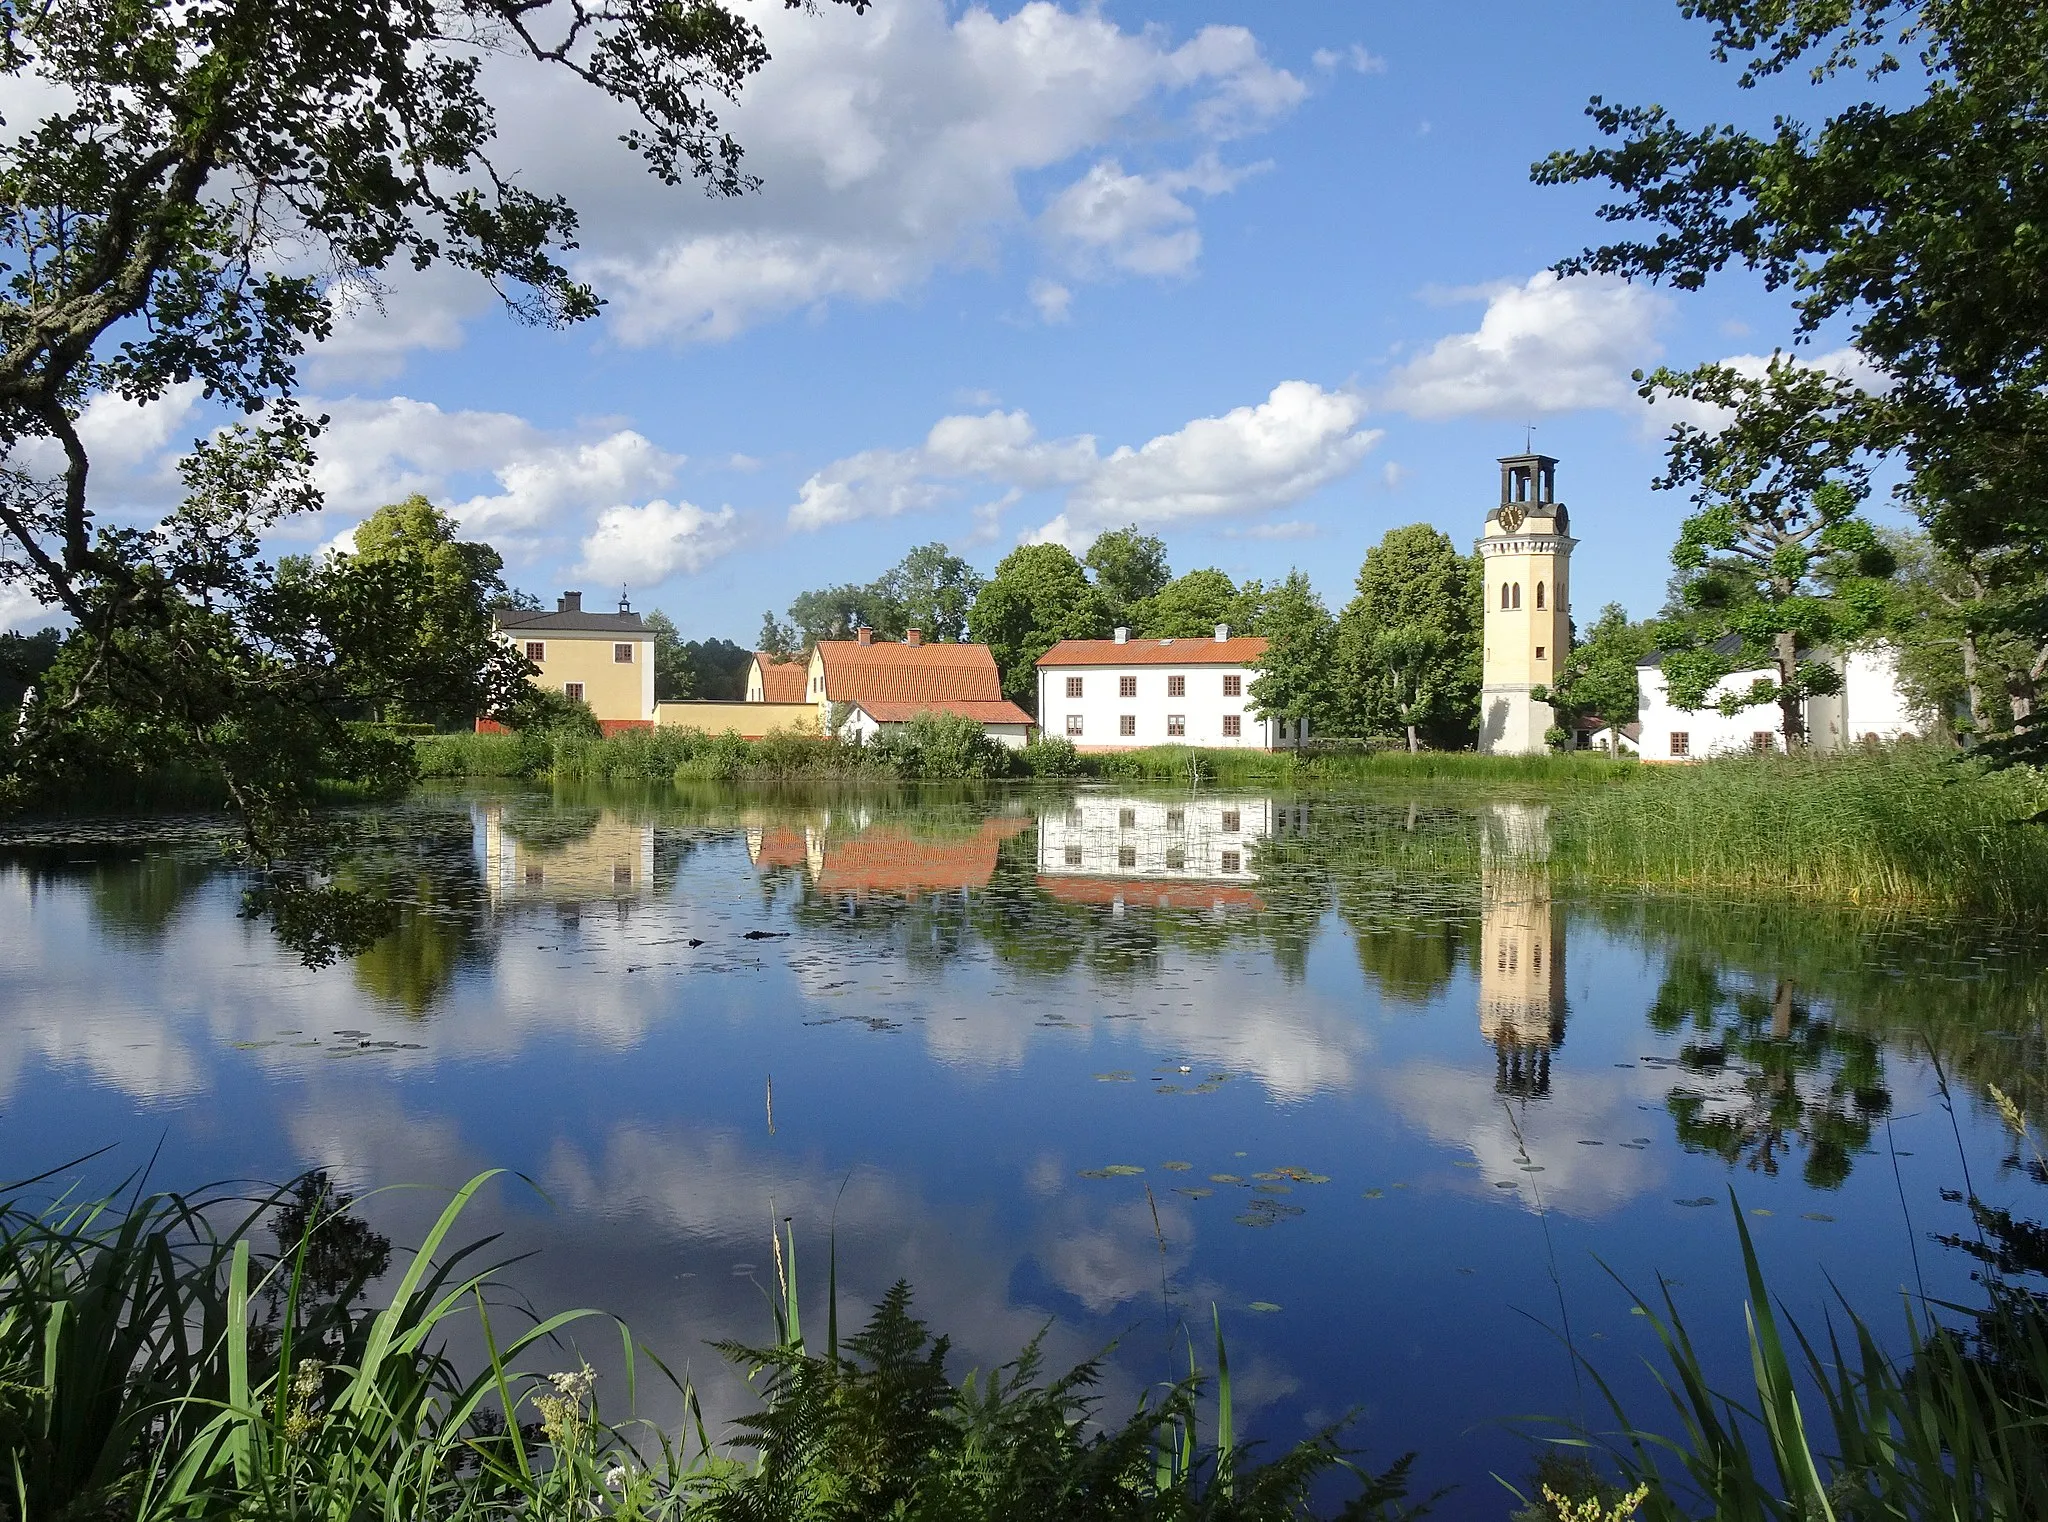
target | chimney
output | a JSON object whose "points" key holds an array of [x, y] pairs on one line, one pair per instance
{"points": [[913, 637], [865, 635], [1222, 633], [1123, 635], [571, 602]]}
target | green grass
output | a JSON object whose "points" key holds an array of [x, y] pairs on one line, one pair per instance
{"points": [[1909, 826]]}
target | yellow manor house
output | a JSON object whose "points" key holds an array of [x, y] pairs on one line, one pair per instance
{"points": [[603, 659]]}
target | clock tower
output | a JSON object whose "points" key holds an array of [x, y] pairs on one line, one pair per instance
{"points": [[1525, 555]]}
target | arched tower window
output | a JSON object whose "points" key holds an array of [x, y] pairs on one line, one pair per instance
{"points": [[1517, 602], [1539, 597], [1503, 597]]}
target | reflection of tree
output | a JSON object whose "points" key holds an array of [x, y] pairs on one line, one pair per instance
{"points": [[333, 1254], [550, 826], [1410, 957], [413, 965], [1769, 1073], [140, 898]]}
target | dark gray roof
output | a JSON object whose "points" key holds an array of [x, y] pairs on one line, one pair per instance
{"points": [[571, 623], [1727, 644]]}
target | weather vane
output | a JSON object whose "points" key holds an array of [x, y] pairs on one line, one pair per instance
{"points": [[1529, 439]]}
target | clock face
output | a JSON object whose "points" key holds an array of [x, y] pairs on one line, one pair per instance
{"points": [[1511, 518]]}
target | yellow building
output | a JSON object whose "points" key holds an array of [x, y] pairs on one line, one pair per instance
{"points": [[1526, 554], [603, 659]]}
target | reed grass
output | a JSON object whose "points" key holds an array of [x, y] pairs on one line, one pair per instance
{"points": [[1909, 825]]}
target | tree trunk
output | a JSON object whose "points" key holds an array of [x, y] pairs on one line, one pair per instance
{"points": [[1781, 1011], [2023, 688], [1972, 683], [1414, 744], [1788, 692]]}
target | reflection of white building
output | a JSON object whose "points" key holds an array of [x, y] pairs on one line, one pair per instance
{"points": [[1161, 840], [1521, 949], [606, 861]]}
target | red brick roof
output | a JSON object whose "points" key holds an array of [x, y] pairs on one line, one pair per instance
{"points": [[915, 674], [1239, 650], [781, 681], [889, 859], [884, 712], [781, 846]]}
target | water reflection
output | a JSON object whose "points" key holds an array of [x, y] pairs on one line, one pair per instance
{"points": [[975, 1007]]}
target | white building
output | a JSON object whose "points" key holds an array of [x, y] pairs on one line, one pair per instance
{"points": [[1872, 706], [1122, 693]]}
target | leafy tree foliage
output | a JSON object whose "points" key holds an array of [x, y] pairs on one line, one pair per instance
{"points": [[1917, 220], [1775, 551], [1129, 567], [675, 679], [1294, 673], [23, 660], [1407, 649], [1192, 605], [205, 183], [1038, 596], [718, 669], [931, 589], [1962, 627], [1598, 677]]}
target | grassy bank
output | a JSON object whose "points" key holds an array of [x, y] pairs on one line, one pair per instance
{"points": [[1908, 826]]}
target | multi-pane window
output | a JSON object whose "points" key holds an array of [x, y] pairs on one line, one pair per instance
{"points": [[1176, 819], [1763, 740], [1681, 743], [1126, 686], [1127, 724], [1176, 858], [622, 654], [1233, 726], [1232, 861], [1233, 687], [573, 691], [1176, 686], [536, 650], [1176, 724], [1127, 857], [1073, 724], [1230, 821], [1073, 856], [1073, 687], [1126, 819]]}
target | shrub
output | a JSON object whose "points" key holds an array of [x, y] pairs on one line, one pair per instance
{"points": [[1051, 756], [944, 747]]}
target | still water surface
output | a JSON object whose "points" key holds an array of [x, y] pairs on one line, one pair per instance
{"points": [[1405, 1114]]}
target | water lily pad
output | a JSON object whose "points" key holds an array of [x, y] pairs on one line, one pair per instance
{"points": [[1507, 1183], [1253, 1218], [1176, 1167], [1373, 1194], [1760, 1210], [1705, 1199], [1816, 1215], [1225, 1178], [1094, 1173], [1263, 1307], [1116, 1077], [1637, 1310], [1122, 1170], [1272, 1189], [1167, 1088], [1196, 1192]]}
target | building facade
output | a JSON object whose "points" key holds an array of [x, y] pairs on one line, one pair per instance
{"points": [[864, 687], [605, 660], [1525, 552], [1123, 693], [1871, 707], [1166, 853]]}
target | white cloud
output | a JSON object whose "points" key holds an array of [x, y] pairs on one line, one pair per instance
{"points": [[1846, 364], [1249, 460], [1356, 57], [652, 543], [1053, 300], [1137, 223], [544, 485], [1292, 529], [1546, 346], [374, 330], [889, 145]]}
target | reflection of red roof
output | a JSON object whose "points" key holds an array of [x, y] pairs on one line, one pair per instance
{"points": [[781, 846], [781, 681], [1146, 893], [1241, 650], [887, 859], [884, 712], [913, 674]]}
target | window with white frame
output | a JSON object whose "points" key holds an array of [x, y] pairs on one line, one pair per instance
{"points": [[1127, 724], [573, 691], [536, 650], [1073, 724], [622, 653]]}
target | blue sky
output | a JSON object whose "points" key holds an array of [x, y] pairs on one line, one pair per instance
{"points": [[1267, 279]]}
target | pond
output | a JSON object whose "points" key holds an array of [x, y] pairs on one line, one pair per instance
{"points": [[1348, 1068]]}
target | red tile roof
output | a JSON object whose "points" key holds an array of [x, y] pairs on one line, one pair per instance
{"points": [[781, 681], [780, 846], [1239, 650], [884, 712], [888, 859], [1147, 893], [918, 674]]}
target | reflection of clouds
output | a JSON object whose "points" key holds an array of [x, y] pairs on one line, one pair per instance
{"points": [[1113, 1258], [1454, 1107]]}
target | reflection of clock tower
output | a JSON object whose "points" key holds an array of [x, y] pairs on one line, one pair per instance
{"points": [[1521, 949], [1526, 556]]}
